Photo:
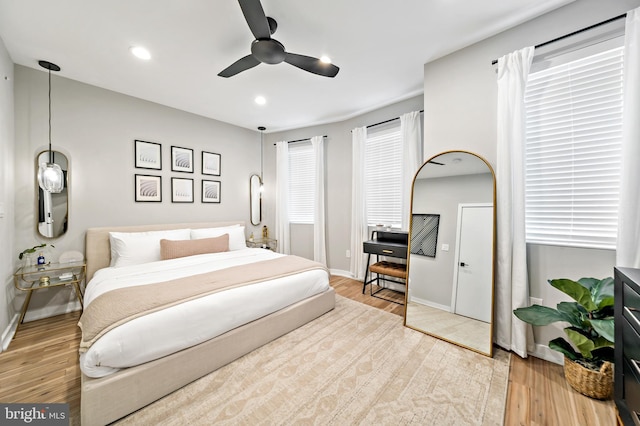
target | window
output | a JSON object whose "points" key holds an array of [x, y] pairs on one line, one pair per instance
{"points": [[302, 179], [383, 175], [574, 130]]}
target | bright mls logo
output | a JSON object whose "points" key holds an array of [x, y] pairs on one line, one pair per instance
{"points": [[34, 414]]}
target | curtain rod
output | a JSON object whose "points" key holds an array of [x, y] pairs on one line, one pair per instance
{"points": [[590, 27], [305, 139], [388, 121]]}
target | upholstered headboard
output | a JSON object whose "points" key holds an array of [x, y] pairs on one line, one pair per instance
{"points": [[98, 249]]}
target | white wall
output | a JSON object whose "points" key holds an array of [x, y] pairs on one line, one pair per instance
{"points": [[95, 129], [7, 235], [338, 181], [460, 95]]}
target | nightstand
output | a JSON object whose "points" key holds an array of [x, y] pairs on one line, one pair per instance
{"points": [[37, 277], [265, 243]]}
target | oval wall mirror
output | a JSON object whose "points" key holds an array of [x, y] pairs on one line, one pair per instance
{"points": [[52, 209], [255, 199], [451, 251]]}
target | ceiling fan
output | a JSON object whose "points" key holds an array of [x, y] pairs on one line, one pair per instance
{"points": [[267, 50]]}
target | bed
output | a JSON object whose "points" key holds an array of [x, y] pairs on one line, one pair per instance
{"points": [[118, 390]]}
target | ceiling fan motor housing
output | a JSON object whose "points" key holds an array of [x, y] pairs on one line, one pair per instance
{"points": [[268, 51]]}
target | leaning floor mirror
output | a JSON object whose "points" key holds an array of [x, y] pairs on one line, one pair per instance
{"points": [[451, 251]]}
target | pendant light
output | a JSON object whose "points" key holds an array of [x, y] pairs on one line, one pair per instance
{"points": [[262, 129], [50, 175]]}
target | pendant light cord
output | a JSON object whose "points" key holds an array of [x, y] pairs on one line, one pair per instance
{"points": [[50, 152]]}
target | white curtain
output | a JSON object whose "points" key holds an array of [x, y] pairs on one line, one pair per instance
{"points": [[282, 197], [628, 243], [512, 289], [319, 244], [411, 159], [358, 203]]}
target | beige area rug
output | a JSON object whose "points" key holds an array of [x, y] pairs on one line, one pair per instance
{"points": [[354, 365]]}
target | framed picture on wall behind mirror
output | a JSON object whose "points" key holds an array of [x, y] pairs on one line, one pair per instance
{"points": [[181, 159], [148, 188], [181, 190], [148, 155], [424, 234], [211, 163], [210, 191]]}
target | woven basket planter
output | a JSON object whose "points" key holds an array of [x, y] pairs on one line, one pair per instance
{"points": [[594, 384]]}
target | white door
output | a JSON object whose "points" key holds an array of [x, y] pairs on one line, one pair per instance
{"points": [[473, 274]]}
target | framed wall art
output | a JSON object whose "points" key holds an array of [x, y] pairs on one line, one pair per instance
{"points": [[424, 234], [148, 155], [210, 191], [148, 188], [181, 190], [211, 163], [181, 159]]}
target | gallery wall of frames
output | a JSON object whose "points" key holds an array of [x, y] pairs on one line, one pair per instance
{"points": [[148, 187]]}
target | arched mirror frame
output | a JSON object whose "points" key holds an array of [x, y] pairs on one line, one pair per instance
{"points": [[61, 214], [255, 199], [489, 352]]}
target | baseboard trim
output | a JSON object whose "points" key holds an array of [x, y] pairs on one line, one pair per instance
{"points": [[341, 273], [431, 304], [9, 332], [544, 352]]}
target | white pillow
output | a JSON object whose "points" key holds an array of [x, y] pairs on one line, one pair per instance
{"points": [[237, 239], [134, 248]]}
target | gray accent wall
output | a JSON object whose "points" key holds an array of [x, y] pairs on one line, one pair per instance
{"points": [[96, 129], [7, 191]]}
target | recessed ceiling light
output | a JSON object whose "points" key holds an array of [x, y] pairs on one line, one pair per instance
{"points": [[325, 59], [140, 52], [260, 100]]}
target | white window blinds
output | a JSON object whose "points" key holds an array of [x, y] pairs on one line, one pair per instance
{"points": [[383, 175], [574, 128], [301, 182]]}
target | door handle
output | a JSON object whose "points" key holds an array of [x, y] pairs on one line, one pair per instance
{"points": [[463, 264]]}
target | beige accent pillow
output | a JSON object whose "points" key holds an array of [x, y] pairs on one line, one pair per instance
{"points": [[171, 249]]}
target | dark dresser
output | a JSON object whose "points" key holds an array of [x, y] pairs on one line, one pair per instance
{"points": [[627, 345]]}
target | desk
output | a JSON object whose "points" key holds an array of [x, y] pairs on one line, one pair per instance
{"points": [[391, 244], [37, 277]]}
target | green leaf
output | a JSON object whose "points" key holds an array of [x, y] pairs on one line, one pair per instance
{"points": [[600, 290], [541, 315], [589, 283], [576, 291], [584, 344], [564, 347], [572, 309], [605, 328]]}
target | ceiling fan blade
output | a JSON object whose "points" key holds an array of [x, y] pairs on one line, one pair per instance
{"points": [[255, 17], [310, 64], [238, 66]]}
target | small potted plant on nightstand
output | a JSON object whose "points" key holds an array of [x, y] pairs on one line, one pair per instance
{"points": [[27, 254], [589, 370]]}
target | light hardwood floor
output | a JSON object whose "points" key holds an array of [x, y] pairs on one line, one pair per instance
{"points": [[41, 365]]}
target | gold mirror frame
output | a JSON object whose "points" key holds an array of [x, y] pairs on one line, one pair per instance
{"points": [[52, 210], [440, 175], [255, 199]]}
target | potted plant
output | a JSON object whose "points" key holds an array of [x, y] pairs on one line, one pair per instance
{"points": [[30, 251], [589, 370]]}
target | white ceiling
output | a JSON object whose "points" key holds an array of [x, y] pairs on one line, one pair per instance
{"points": [[379, 45]]}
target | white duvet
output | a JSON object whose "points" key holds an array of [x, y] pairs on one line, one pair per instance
{"points": [[164, 332]]}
